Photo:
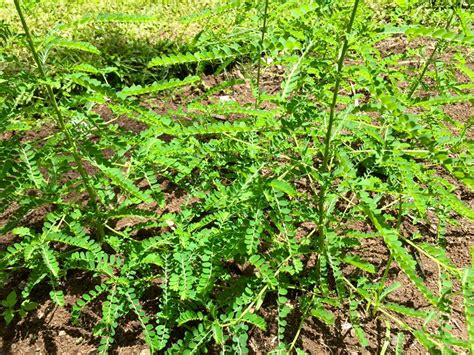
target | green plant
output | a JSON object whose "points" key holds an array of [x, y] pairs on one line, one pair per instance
{"points": [[61, 122], [259, 64], [325, 170], [216, 212]]}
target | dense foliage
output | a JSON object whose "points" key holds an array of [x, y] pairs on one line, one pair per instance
{"points": [[278, 197]]}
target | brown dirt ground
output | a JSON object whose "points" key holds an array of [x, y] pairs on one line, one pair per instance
{"points": [[48, 329]]}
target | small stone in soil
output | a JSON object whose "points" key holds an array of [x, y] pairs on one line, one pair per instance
{"points": [[346, 326]]}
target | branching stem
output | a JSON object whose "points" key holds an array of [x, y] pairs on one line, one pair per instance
{"points": [[428, 61], [60, 120], [332, 113], [264, 30]]}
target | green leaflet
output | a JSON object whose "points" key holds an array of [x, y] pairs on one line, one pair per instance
{"points": [[442, 100], [283, 186], [284, 309], [425, 339], [407, 311], [29, 158], [319, 312], [355, 317], [76, 45], [96, 262], [218, 128], [140, 114], [11, 299], [216, 10], [156, 86], [334, 258], [360, 263], [77, 241], [50, 261], [88, 68], [90, 83], [108, 323], [439, 254], [148, 331], [400, 342], [116, 17], [253, 233], [22, 231], [57, 297], [216, 54], [459, 206], [86, 299], [293, 80], [407, 263], [389, 289], [206, 278], [162, 335], [433, 32], [361, 336], [183, 279], [218, 333], [267, 274], [227, 109], [255, 320], [118, 179], [153, 259], [189, 316], [401, 255]]}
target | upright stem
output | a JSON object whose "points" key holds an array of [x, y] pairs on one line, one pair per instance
{"points": [[340, 64], [391, 257], [332, 113], [301, 324], [264, 29], [428, 61], [60, 120]]}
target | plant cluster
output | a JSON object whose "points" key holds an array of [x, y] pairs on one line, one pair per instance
{"points": [[274, 192]]}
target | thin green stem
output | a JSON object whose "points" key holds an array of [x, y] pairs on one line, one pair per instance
{"points": [[301, 324], [340, 64], [332, 114], [264, 30], [60, 120], [294, 70], [386, 313], [390, 259], [428, 61]]}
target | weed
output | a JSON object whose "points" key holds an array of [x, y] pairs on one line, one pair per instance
{"points": [[152, 179]]}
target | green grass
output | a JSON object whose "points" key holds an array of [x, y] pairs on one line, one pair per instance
{"points": [[44, 15]]}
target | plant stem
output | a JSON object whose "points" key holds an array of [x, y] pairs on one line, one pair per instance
{"points": [[428, 61], [332, 113], [391, 257], [264, 29], [340, 64], [301, 324], [294, 70], [60, 120]]}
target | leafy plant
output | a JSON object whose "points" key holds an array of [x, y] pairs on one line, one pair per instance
{"points": [[197, 213]]}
